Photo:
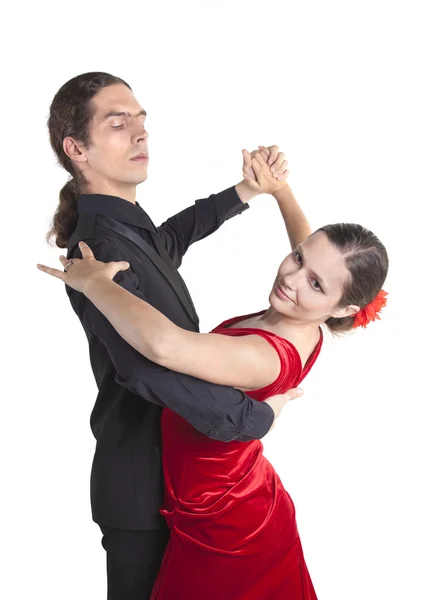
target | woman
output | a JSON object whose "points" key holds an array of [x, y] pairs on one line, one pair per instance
{"points": [[233, 528]]}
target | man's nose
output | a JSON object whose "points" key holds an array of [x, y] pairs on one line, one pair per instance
{"points": [[140, 133], [141, 137]]}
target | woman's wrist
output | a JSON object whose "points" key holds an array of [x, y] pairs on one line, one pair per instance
{"points": [[96, 285], [283, 193]]}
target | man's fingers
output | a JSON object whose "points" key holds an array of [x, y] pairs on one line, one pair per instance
{"points": [[53, 272], [274, 151], [280, 165], [294, 393], [248, 174], [247, 159]]}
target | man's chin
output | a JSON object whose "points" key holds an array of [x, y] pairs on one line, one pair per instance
{"points": [[142, 179], [137, 179]]}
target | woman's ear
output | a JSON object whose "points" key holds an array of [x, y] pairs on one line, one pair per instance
{"points": [[346, 311]]}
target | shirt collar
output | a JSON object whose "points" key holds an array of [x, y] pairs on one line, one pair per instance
{"points": [[116, 208]]}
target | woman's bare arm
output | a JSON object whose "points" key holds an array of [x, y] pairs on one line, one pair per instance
{"points": [[295, 220], [296, 223], [246, 362]]}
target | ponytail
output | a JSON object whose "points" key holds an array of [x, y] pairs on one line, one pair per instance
{"points": [[66, 216]]}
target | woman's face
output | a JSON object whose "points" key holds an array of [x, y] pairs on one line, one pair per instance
{"points": [[309, 283]]}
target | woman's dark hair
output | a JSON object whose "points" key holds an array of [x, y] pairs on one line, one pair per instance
{"points": [[367, 261], [70, 114]]}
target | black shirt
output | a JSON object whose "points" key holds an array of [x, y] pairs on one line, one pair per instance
{"points": [[126, 481]]}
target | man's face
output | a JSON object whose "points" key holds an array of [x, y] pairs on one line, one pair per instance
{"points": [[118, 153]]}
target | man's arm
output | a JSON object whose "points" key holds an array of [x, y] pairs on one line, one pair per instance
{"points": [[207, 215], [220, 412], [203, 218]]}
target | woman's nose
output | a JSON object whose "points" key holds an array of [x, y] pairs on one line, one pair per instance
{"points": [[292, 280]]}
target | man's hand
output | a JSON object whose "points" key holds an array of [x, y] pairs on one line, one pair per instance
{"points": [[278, 402], [268, 179], [250, 186], [275, 160]]}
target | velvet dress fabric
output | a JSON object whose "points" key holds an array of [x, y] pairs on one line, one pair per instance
{"points": [[233, 528]]}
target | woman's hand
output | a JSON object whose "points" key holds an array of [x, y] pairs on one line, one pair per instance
{"points": [[86, 271], [276, 171]]}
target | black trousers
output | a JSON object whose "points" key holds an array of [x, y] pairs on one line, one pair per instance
{"points": [[133, 561]]}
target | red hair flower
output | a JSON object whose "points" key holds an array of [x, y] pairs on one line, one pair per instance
{"points": [[371, 311]]}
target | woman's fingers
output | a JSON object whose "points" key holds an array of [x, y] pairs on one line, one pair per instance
{"points": [[256, 167], [64, 261], [265, 150], [261, 161], [119, 265], [54, 272], [86, 251]]}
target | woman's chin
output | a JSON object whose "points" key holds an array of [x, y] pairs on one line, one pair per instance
{"points": [[279, 305], [273, 299]]}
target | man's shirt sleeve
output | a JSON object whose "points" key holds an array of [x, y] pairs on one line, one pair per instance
{"points": [[220, 412], [198, 221]]}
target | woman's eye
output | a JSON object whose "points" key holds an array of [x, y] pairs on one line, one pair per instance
{"points": [[298, 257], [117, 126], [316, 286]]}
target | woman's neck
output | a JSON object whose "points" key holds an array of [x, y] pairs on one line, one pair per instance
{"points": [[286, 327]]}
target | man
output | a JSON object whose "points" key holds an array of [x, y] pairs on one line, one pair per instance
{"points": [[98, 132]]}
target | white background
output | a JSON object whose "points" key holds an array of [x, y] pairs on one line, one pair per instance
{"points": [[343, 88]]}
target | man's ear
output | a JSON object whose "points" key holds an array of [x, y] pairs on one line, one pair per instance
{"points": [[74, 150], [347, 311]]}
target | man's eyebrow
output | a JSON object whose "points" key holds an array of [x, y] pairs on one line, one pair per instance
{"points": [[123, 113]]}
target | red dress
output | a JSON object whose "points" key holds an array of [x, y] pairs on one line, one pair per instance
{"points": [[232, 523]]}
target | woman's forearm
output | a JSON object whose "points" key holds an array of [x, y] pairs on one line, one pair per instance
{"points": [[296, 223], [142, 326]]}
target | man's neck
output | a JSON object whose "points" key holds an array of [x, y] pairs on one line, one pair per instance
{"points": [[126, 192]]}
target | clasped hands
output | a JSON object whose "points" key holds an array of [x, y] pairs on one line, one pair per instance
{"points": [[265, 170]]}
